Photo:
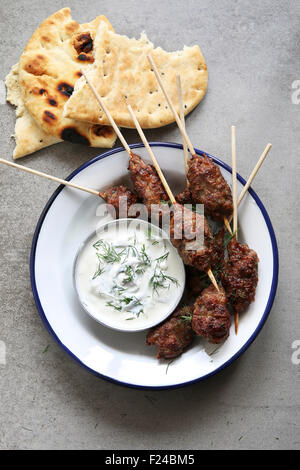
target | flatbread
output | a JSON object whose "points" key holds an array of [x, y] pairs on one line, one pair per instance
{"points": [[28, 135], [122, 74], [48, 70]]}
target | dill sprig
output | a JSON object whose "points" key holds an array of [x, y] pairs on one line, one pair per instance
{"points": [[160, 280]]}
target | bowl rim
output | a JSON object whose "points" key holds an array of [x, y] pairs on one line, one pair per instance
{"points": [[189, 382], [75, 265]]}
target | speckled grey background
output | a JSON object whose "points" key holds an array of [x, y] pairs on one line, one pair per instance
{"points": [[49, 401]]}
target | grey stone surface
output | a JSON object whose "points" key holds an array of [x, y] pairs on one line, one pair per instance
{"points": [[49, 401]]}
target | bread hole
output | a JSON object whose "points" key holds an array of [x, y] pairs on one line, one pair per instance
{"points": [[158, 104], [166, 107], [162, 73], [185, 106], [107, 51]]}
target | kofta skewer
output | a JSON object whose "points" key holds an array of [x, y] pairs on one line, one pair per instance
{"points": [[239, 277], [193, 215], [186, 192], [220, 205]]}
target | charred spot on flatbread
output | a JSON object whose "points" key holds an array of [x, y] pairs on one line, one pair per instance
{"points": [[36, 66], [65, 89], [52, 101], [72, 135], [102, 131], [83, 43], [85, 58], [49, 117]]}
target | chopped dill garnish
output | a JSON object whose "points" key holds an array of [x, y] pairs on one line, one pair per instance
{"points": [[159, 280], [99, 271], [187, 318], [228, 237], [163, 257]]}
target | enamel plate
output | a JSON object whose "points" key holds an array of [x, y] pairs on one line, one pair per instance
{"points": [[71, 215]]}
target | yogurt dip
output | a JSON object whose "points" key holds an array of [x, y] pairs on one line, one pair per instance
{"points": [[128, 275]]}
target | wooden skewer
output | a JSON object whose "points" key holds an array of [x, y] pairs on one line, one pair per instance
{"points": [[185, 149], [252, 175], [177, 119], [109, 116], [254, 172], [162, 178], [234, 198], [152, 156], [49, 177], [172, 107]]}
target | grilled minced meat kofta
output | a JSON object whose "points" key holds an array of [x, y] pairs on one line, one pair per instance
{"points": [[185, 227], [146, 182], [173, 335], [211, 317], [208, 186], [115, 195], [239, 276]]}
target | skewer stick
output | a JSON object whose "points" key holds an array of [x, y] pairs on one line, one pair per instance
{"points": [[49, 177], [252, 175], [161, 176], [152, 156], [234, 188], [254, 172], [234, 198], [185, 149], [109, 116], [177, 118]]}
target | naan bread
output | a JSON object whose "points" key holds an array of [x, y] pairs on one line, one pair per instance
{"points": [[28, 135], [121, 73], [48, 70]]}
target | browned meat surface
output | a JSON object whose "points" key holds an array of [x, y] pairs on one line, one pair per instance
{"points": [[211, 317], [196, 281], [219, 250], [239, 276], [185, 197], [146, 182], [121, 198], [173, 335], [208, 187], [186, 228]]}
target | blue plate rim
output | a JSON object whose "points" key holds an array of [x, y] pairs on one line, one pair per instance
{"points": [[149, 387]]}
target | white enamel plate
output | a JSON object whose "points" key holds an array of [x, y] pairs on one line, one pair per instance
{"points": [[71, 215]]}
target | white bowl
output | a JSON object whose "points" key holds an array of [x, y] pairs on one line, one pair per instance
{"points": [[71, 215], [131, 326]]}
